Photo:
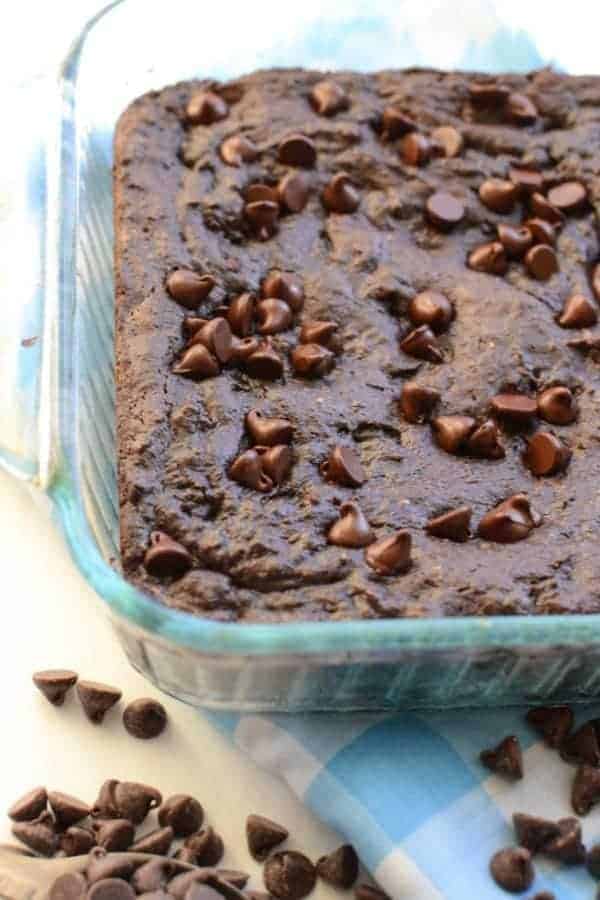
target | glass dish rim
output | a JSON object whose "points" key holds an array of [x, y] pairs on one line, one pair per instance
{"points": [[343, 640]]}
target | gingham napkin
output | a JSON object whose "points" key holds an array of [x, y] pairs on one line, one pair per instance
{"points": [[408, 791]]}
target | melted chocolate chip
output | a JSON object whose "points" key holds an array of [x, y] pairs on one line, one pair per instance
{"points": [[340, 195], [247, 469], [391, 555], [528, 181], [489, 258], [453, 525], [263, 362], [444, 210], [557, 405], [293, 191], [198, 362], [343, 466], [216, 337], [546, 454], [422, 343], [417, 402], [568, 197], [506, 759], [205, 108], [285, 286], [297, 150], [578, 312], [541, 262], [240, 314], [165, 557], [273, 315], [543, 209], [312, 360], [351, 529], [276, 462], [518, 408], [541, 230], [516, 239], [268, 431], [315, 331], [484, 441], [328, 98], [189, 288], [451, 432], [510, 521], [498, 195]]}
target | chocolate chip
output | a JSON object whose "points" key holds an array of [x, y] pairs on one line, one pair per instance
{"points": [[369, 892], [351, 529], [198, 362], [145, 718], [134, 801], [96, 699], [159, 894], [453, 525], [395, 124], [391, 555], [276, 462], [247, 469], [512, 869], [510, 521], [528, 181], [238, 149], [289, 875], [415, 149], [317, 331], [541, 262], [207, 846], [183, 813], [39, 834], [498, 195], [534, 833], [431, 308], [328, 98], [192, 324], [205, 108], [30, 806], [484, 441], [578, 312], [257, 192], [585, 792], [589, 345], [189, 288], [240, 314], [517, 407], [165, 557], [70, 886], [157, 842], [77, 841], [297, 150], [422, 343], [450, 139], [520, 109], [293, 191], [343, 466], [340, 195], [568, 197], [264, 363], [114, 834], [543, 209], [339, 868], [557, 405], [417, 402], [108, 865], [216, 337], [541, 230], [157, 873], [232, 876], [592, 861], [505, 759], [552, 722], [444, 210], [567, 847], [263, 835], [257, 895], [596, 281], [106, 806], [55, 684], [546, 454], [181, 883], [285, 286], [268, 431], [243, 349], [274, 316], [451, 432], [489, 258], [583, 745], [488, 93], [312, 360], [262, 216], [203, 892], [111, 889], [67, 810]]}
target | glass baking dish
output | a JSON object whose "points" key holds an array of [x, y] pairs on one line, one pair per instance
{"points": [[57, 399]]}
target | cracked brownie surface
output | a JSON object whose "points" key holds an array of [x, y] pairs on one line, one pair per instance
{"points": [[252, 540]]}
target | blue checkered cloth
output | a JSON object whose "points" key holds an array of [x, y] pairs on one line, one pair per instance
{"points": [[408, 791]]}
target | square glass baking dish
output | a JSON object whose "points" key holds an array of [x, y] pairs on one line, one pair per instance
{"points": [[57, 395]]}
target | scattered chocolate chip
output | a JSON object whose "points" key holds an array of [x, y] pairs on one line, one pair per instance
{"points": [[198, 362], [534, 833], [207, 846], [240, 314], [30, 806], [583, 745], [323, 332], [528, 181], [312, 360], [77, 841], [541, 230], [417, 402], [444, 210], [285, 286], [343, 466], [145, 718], [339, 868], [157, 842], [289, 875], [510, 521], [55, 684], [262, 216], [450, 139], [328, 98], [263, 835], [183, 881], [238, 149], [351, 529], [489, 258], [340, 195], [247, 469], [516, 407], [552, 722], [276, 462], [183, 813], [516, 239], [257, 192], [578, 312], [192, 324], [216, 337], [585, 792], [415, 149], [541, 262], [391, 555], [274, 316], [557, 405], [589, 345], [111, 889], [505, 759], [166, 557], [158, 873], [520, 109], [543, 209], [297, 150], [67, 810], [159, 894], [205, 108], [592, 861], [568, 197], [567, 847], [268, 431], [257, 895], [488, 93], [451, 432], [596, 281], [39, 835], [395, 124], [546, 454], [114, 834], [293, 191], [498, 195], [69, 886], [96, 699], [431, 308], [189, 288], [453, 525], [512, 869], [369, 892], [232, 876], [484, 441], [134, 800], [422, 343], [264, 363], [108, 865]]}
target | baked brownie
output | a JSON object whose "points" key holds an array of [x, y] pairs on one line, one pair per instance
{"points": [[357, 353]]}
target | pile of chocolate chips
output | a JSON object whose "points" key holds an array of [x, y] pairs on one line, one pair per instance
{"points": [[512, 867]]}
